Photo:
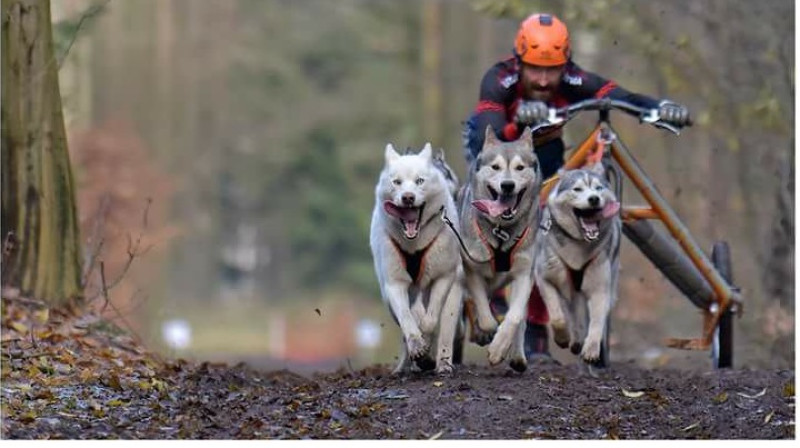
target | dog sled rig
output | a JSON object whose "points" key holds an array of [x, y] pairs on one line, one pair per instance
{"points": [[705, 281]]}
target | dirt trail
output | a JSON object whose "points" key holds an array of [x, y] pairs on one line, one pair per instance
{"points": [[79, 378]]}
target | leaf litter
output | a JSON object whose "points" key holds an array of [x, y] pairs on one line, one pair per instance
{"points": [[68, 376]]}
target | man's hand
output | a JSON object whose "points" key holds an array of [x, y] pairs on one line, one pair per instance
{"points": [[530, 112], [673, 113]]}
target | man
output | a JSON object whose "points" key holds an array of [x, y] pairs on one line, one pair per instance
{"points": [[517, 92]]}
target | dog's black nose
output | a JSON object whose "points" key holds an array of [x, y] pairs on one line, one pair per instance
{"points": [[594, 201], [507, 186], [408, 199]]}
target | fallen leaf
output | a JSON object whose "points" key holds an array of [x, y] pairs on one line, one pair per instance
{"points": [[760, 394], [690, 427], [397, 396], [28, 417], [722, 397], [437, 384], [113, 382], [89, 342], [768, 417], [788, 389], [436, 436], [505, 398], [115, 402], [42, 316], [632, 394], [20, 327], [85, 375]]}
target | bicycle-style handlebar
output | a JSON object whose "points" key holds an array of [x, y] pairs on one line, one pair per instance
{"points": [[563, 114]]}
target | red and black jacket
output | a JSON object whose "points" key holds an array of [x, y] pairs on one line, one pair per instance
{"points": [[501, 91]]}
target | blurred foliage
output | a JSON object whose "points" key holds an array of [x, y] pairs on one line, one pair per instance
{"points": [[68, 30], [272, 115]]}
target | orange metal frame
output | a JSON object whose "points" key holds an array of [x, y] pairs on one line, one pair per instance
{"points": [[724, 295]]}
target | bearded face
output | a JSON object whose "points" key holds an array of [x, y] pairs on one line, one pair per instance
{"points": [[540, 83]]}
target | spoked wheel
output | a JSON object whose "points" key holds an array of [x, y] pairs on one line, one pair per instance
{"points": [[722, 344]]}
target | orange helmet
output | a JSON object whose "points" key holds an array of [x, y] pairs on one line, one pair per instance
{"points": [[542, 39]]}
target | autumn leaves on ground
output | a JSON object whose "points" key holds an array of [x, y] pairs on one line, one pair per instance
{"points": [[69, 374]]}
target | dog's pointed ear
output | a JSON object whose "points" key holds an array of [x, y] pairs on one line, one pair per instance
{"points": [[596, 167], [427, 152], [527, 136], [439, 154], [391, 154], [490, 138], [559, 186]]}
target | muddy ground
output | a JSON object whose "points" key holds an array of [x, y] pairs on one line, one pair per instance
{"points": [[76, 377]]}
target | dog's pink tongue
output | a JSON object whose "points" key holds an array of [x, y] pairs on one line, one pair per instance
{"points": [[410, 228], [491, 208], [405, 213], [610, 209]]}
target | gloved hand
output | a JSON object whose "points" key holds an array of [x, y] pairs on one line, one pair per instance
{"points": [[673, 113], [530, 112]]}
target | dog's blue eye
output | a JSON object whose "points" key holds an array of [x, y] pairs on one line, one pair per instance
{"points": [[420, 181]]}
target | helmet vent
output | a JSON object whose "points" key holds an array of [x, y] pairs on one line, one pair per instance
{"points": [[545, 20]]}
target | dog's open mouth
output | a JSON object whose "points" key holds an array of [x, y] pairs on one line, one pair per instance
{"points": [[590, 219], [503, 205], [410, 217]]}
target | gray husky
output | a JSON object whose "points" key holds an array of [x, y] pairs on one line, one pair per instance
{"points": [[577, 257], [498, 211], [417, 259]]}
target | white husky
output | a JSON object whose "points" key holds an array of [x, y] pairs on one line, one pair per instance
{"points": [[417, 259]]}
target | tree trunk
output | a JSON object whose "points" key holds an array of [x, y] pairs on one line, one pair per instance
{"points": [[38, 198], [432, 112]]}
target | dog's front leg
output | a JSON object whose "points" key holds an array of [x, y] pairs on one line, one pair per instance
{"points": [[418, 308], [597, 287], [476, 288], [558, 320], [507, 332], [448, 322], [398, 300], [439, 290]]}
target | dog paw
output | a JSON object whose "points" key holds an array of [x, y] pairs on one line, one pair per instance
{"points": [[425, 363], [591, 352], [481, 337], [444, 368], [500, 344], [560, 335], [519, 364], [575, 347], [417, 346]]}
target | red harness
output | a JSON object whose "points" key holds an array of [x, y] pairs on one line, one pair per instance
{"points": [[414, 263], [500, 260]]}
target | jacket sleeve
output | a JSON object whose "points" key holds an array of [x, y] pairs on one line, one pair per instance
{"points": [[493, 103], [591, 85]]}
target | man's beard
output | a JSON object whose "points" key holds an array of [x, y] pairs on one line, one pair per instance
{"points": [[540, 95]]}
